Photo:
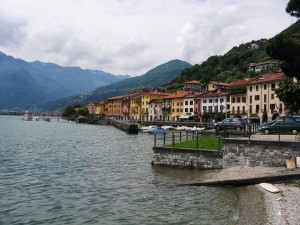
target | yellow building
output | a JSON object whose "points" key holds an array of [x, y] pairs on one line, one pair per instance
{"points": [[136, 105], [261, 96], [173, 105], [99, 107], [146, 98], [113, 107], [214, 85]]}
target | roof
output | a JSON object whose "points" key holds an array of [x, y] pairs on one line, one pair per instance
{"points": [[180, 94], [155, 101], [214, 94], [268, 78], [242, 82], [218, 83], [264, 63], [192, 82]]}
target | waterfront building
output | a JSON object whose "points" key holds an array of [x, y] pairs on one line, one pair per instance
{"points": [[113, 107], [173, 106], [214, 102], [146, 98], [238, 99], [99, 107], [188, 107], [261, 95], [136, 105], [91, 107], [155, 113]]}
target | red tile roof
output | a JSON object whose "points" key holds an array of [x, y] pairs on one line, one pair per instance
{"points": [[214, 94], [180, 94], [268, 78]]}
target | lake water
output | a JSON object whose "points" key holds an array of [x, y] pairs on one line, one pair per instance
{"points": [[67, 173]]}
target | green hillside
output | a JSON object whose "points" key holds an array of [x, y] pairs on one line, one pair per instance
{"points": [[234, 64]]}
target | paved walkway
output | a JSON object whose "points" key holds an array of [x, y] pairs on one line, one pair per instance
{"points": [[274, 137]]}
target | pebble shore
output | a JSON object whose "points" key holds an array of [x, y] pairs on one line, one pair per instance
{"points": [[258, 206]]}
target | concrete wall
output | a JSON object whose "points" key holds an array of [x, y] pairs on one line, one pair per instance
{"points": [[235, 153]]}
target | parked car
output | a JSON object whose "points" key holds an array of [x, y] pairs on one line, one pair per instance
{"points": [[230, 123], [283, 124]]}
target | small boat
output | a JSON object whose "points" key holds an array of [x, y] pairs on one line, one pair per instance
{"points": [[270, 187], [146, 129], [157, 131], [168, 127], [27, 116]]}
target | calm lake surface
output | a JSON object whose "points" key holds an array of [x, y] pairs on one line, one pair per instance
{"points": [[67, 173]]}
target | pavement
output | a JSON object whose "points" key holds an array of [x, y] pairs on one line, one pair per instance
{"points": [[274, 137]]}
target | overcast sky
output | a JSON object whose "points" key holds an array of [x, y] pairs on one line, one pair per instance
{"points": [[133, 36]]}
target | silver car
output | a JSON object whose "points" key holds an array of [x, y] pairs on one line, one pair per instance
{"points": [[230, 123]]}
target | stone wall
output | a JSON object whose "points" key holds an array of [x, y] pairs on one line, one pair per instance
{"points": [[235, 153], [258, 153], [185, 158]]}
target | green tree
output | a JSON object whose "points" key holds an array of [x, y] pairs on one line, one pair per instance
{"points": [[289, 93], [69, 111], [293, 8], [82, 111], [286, 46]]}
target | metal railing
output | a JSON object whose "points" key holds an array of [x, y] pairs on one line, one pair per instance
{"points": [[198, 138]]}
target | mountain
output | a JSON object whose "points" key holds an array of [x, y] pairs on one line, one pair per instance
{"points": [[51, 81], [234, 64], [155, 77], [20, 84]]}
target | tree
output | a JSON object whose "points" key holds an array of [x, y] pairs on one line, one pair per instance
{"points": [[286, 46], [289, 93], [293, 8], [69, 111]]}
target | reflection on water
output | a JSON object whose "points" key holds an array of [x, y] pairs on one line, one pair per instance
{"points": [[66, 173]]}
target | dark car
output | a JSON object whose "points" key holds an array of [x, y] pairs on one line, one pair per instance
{"points": [[229, 123], [283, 124]]}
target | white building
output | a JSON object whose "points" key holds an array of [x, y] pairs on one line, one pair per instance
{"points": [[155, 113], [215, 102]]}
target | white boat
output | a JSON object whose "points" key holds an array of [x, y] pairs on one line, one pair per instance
{"points": [[270, 187], [146, 129], [168, 127], [27, 116]]}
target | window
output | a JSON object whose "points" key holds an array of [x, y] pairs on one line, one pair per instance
{"points": [[233, 110], [216, 100], [233, 100], [191, 102], [244, 111], [238, 110], [257, 108], [204, 108], [256, 87], [177, 110], [210, 100], [204, 100], [256, 97], [191, 109], [216, 108], [265, 87], [221, 100], [243, 99], [273, 86], [186, 109], [238, 99], [250, 100], [177, 103], [272, 96], [250, 88], [209, 108], [250, 108], [265, 97], [265, 107], [272, 107], [186, 102]]}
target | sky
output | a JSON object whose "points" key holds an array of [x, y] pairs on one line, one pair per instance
{"points": [[133, 36]]}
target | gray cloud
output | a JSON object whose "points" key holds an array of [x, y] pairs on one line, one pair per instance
{"points": [[133, 36]]}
